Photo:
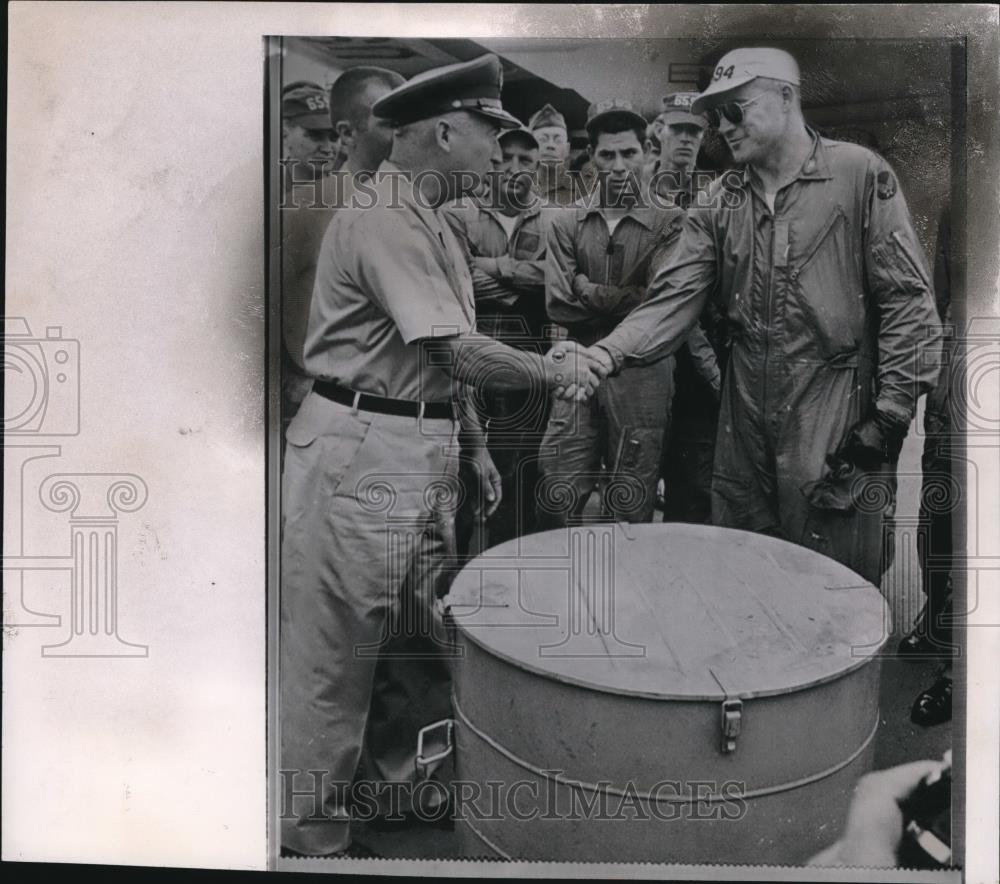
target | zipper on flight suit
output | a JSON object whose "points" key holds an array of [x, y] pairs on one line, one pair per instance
{"points": [[609, 253], [817, 243], [767, 312]]}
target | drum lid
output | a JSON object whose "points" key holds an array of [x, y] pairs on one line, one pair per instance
{"points": [[670, 611]]}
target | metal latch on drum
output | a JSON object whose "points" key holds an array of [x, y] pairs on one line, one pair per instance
{"points": [[732, 721], [427, 735]]}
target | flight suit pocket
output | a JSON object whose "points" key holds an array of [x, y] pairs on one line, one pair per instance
{"points": [[862, 539], [828, 289], [562, 414], [897, 258], [732, 502]]}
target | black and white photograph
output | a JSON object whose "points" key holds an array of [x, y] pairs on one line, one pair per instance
{"points": [[502, 440], [619, 463]]}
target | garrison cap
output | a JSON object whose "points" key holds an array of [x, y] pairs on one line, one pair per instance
{"points": [[613, 107], [472, 86], [306, 105], [546, 116], [677, 109], [526, 134], [740, 66]]}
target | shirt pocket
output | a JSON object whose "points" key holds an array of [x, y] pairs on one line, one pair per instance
{"points": [[826, 289], [527, 246]]}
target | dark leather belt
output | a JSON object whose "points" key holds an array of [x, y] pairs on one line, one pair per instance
{"points": [[383, 405]]}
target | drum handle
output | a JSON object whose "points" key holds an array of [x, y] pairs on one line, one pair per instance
{"points": [[423, 763]]}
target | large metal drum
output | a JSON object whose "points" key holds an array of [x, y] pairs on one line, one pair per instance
{"points": [[662, 693]]}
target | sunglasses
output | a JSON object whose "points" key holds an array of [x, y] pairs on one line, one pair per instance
{"points": [[731, 110]]}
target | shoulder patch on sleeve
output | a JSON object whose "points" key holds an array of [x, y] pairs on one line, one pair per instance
{"points": [[885, 185]]}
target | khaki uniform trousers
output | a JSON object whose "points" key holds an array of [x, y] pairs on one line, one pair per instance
{"points": [[367, 548]]}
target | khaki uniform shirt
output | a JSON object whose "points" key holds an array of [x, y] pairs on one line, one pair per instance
{"points": [[388, 276]]}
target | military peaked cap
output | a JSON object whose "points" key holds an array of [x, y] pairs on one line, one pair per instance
{"points": [[472, 86]]}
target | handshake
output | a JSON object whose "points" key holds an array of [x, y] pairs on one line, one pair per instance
{"points": [[574, 372]]}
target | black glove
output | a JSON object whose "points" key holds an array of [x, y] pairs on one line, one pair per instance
{"points": [[874, 441]]}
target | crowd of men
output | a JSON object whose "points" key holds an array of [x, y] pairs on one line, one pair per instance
{"points": [[484, 338]]}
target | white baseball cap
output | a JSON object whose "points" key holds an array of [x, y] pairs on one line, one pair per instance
{"points": [[740, 66]]}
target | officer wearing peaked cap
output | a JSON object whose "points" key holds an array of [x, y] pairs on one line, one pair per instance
{"points": [[471, 86], [371, 464], [810, 251]]}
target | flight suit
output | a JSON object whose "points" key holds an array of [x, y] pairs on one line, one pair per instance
{"points": [[830, 310], [593, 278], [368, 513], [510, 307]]}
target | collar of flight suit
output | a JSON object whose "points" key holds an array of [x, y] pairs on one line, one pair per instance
{"points": [[534, 209], [645, 215], [815, 168]]}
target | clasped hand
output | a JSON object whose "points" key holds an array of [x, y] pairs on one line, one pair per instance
{"points": [[574, 372]]}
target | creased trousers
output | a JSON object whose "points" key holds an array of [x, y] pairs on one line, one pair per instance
{"points": [[367, 547]]}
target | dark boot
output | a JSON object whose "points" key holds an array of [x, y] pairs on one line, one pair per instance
{"points": [[933, 706]]}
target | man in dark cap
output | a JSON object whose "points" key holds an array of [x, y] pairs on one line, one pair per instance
{"points": [[503, 236], [554, 181], [364, 142], [809, 250], [308, 139], [689, 445], [679, 134], [370, 472], [600, 260]]}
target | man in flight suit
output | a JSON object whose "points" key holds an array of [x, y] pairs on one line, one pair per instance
{"points": [[369, 487], [689, 446], [810, 252], [599, 263], [506, 247]]}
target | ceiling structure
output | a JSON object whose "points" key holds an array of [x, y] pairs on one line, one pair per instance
{"points": [[844, 80]]}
